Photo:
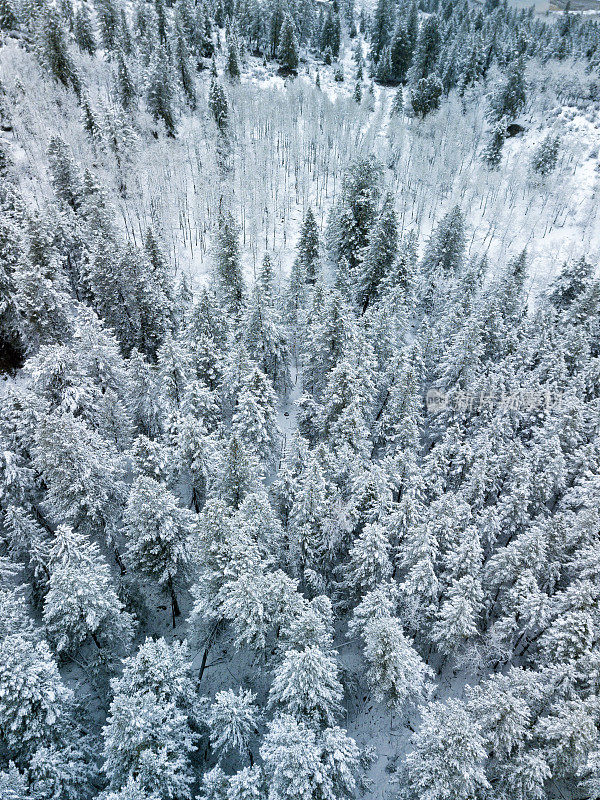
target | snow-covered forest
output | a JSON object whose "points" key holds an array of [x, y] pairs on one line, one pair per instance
{"points": [[299, 400]]}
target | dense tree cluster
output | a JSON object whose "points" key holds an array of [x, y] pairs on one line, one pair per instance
{"points": [[392, 451]]}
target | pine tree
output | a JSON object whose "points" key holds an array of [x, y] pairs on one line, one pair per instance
{"points": [[132, 790], [84, 30], [162, 668], [509, 96], [369, 560], [82, 472], [291, 757], [570, 284], [401, 54], [81, 600], [425, 95], [125, 86], [184, 70], [545, 157], [159, 94], [232, 67], [445, 249], [240, 476], [247, 784], [61, 770], [157, 531], [218, 105], [307, 257], [301, 764], [255, 602], [65, 176], [306, 685], [13, 784], [33, 698], [492, 151], [125, 39], [330, 36], [228, 263], [457, 616], [381, 28], [108, 19], [448, 755], [215, 784], [427, 50], [312, 627], [287, 52], [396, 673], [354, 214], [380, 256], [232, 719], [148, 739], [54, 50]]}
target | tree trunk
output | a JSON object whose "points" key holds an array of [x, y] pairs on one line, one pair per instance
{"points": [[175, 612]]}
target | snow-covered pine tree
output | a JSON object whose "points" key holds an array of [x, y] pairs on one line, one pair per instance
{"points": [[227, 262], [159, 93], [287, 52], [148, 739], [306, 685], [157, 531], [81, 600], [448, 756], [380, 256], [232, 719], [218, 105], [396, 674], [33, 698], [254, 417]]}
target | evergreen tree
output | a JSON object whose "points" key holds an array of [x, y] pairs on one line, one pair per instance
{"points": [[354, 214], [227, 262], [54, 52], [492, 151], [81, 600], [545, 157], [427, 50], [287, 52], [148, 739], [125, 86], [109, 20], [448, 755], [425, 95], [233, 65], [159, 94], [300, 764], [184, 70], [157, 531], [445, 249], [381, 27], [82, 472], [380, 256], [369, 562], [33, 697], [65, 176], [84, 30], [396, 673], [217, 103], [307, 257], [509, 96], [13, 784], [240, 474], [306, 685], [232, 719]]}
